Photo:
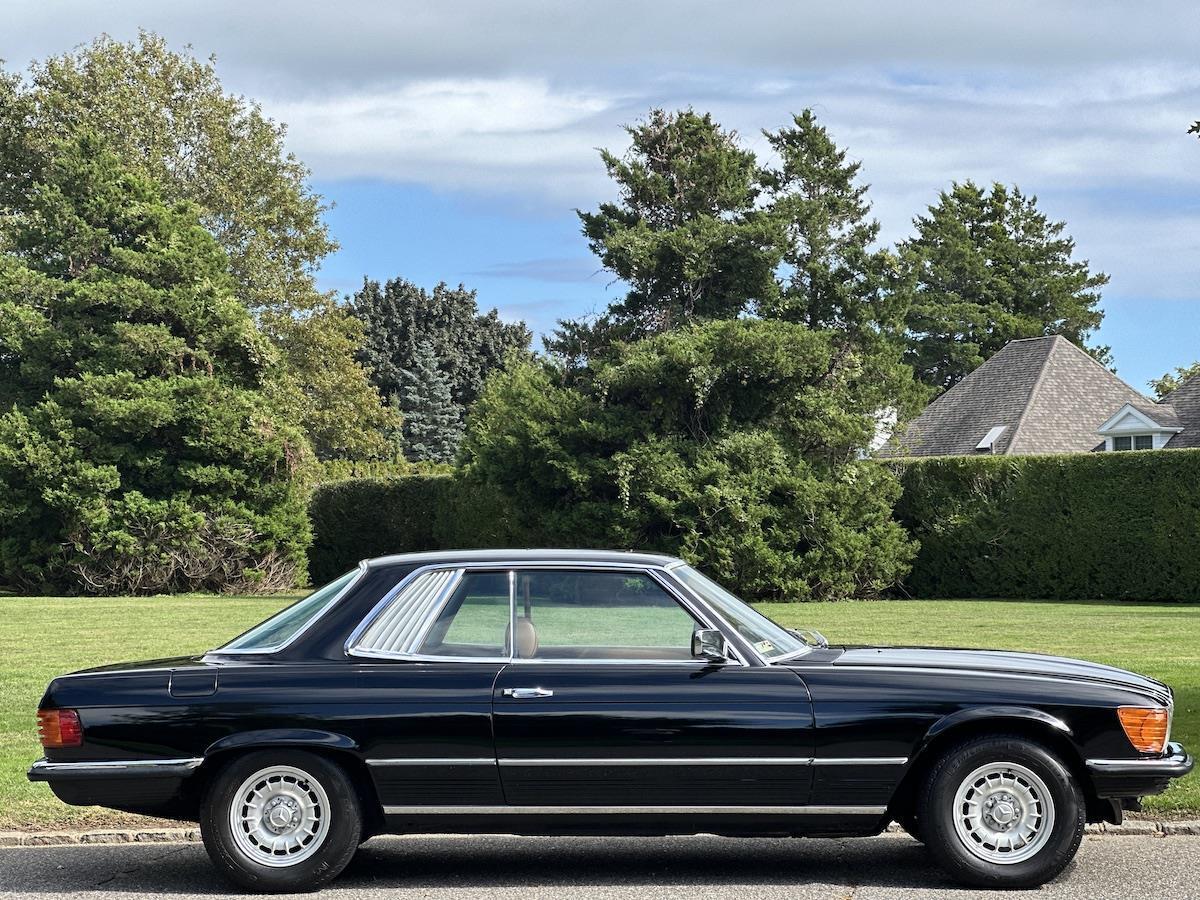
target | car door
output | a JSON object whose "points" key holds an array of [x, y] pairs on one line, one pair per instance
{"points": [[425, 665], [604, 705]]}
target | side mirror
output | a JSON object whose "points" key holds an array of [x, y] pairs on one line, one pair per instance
{"points": [[708, 643]]}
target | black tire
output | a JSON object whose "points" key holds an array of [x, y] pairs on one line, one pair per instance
{"points": [[315, 867], [936, 812]]}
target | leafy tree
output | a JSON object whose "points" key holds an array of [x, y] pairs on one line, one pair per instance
{"points": [[167, 116], [989, 267], [398, 316], [138, 449], [686, 234], [1171, 380], [433, 425], [733, 443], [833, 276]]}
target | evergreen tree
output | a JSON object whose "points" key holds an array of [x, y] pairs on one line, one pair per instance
{"points": [[686, 234], [834, 278], [167, 116], [138, 449], [433, 427], [398, 316], [989, 267]]}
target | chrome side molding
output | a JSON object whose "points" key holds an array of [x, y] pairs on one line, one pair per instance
{"points": [[634, 810]]}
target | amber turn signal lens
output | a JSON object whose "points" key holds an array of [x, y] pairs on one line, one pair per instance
{"points": [[1145, 727], [59, 728]]}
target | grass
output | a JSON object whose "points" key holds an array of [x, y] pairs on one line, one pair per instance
{"points": [[43, 637]]}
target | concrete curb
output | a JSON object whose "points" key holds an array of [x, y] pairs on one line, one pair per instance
{"points": [[192, 835]]}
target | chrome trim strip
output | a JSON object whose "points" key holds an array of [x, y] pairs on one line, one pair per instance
{"points": [[109, 766], [435, 761], [635, 810], [665, 761], [644, 761]]}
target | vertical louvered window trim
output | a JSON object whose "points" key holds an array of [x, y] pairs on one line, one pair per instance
{"points": [[396, 629]]}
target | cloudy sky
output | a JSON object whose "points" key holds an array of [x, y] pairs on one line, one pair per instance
{"points": [[456, 139]]}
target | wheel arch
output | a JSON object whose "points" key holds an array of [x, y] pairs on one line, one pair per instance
{"points": [[337, 748], [1023, 722]]}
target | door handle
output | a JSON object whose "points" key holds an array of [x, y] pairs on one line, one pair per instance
{"points": [[527, 693]]}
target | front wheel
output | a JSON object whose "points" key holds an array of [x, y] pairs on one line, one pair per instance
{"points": [[1001, 812], [276, 821]]}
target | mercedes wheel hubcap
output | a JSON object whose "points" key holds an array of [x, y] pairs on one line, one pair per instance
{"points": [[279, 816], [1003, 813]]}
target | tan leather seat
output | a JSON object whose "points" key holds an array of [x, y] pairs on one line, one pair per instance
{"points": [[527, 639]]}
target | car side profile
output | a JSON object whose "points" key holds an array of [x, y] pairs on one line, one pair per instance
{"points": [[593, 692]]}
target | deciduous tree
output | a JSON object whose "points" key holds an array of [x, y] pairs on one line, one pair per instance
{"points": [[167, 116]]}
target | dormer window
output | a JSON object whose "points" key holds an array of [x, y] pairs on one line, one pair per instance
{"points": [[1133, 442]]}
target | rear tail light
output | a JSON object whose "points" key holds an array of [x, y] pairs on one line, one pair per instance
{"points": [[59, 728], [1146, 727]]}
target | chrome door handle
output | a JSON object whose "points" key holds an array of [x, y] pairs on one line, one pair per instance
{"points": [[527, 693]]}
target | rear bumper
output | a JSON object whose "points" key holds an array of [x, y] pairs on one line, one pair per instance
{"points": [[1139, 777], [50, 770], [144, 786]]}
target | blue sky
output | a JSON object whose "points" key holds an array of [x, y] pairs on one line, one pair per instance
{"points": [[455, 140]]}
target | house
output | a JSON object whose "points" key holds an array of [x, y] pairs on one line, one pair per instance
{"points": [[1046, 395]]}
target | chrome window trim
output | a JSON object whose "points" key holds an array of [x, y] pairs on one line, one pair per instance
{"points": [[353, 583], [695, 607], [635, 810]]}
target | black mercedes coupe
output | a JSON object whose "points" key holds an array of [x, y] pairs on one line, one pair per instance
{"points": [[589, 692]]}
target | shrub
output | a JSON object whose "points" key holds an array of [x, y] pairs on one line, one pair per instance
{"points": [[1103, 525]]}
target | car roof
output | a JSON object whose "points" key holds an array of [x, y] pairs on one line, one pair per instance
{"points": [[619, 557]]}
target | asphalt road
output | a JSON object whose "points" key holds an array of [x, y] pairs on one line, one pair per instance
{"points": [[510, 867]]}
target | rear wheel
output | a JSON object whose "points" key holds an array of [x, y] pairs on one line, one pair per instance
{"points": [[1001, 812], [283, 820]]}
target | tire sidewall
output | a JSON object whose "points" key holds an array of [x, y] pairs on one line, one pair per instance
{"points": [[938, 814], [337, 849]]}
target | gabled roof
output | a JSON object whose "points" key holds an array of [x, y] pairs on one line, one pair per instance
{"points": [[1145, 417], [1050, 395], [1184, 401]]}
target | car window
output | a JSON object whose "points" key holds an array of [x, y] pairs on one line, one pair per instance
{"points": [[598, 615], [474, 621], [769, 638], [398, 627], [281, 627]]}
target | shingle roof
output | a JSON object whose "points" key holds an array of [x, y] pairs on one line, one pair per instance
{"points": [[1050, 395], [1185, 402]]}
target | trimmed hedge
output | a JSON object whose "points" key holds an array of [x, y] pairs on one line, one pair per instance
{"points": [[365, 517], [1120, 526], [1092, 526]]}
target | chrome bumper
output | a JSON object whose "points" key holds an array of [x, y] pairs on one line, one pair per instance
{"points": [[50, 770]]}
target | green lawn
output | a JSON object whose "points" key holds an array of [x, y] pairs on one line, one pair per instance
{"points": [[42, 637]]}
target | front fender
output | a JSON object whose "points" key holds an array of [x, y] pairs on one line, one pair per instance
{"points": [[282, 737]]}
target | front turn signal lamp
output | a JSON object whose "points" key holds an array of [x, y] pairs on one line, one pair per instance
{"points": [[59, 728], [1146, 727]]}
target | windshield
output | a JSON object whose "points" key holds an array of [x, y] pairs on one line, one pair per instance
{"points": [[772, 641], [287, 623]]}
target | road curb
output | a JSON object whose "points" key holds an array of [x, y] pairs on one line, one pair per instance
{"points": [[192, 835]]}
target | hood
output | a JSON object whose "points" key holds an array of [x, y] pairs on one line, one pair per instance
{"points": [[1001, 661]]}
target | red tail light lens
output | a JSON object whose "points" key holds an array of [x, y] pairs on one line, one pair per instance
{"points": [[59, 728]]}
